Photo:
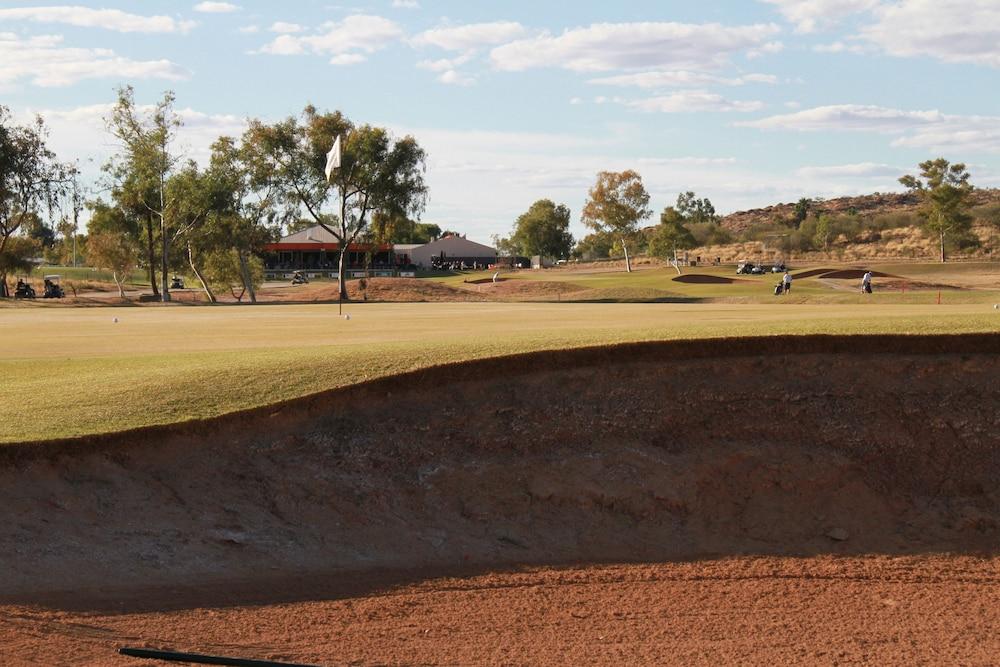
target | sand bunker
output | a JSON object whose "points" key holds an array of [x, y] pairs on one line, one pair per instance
{"points": [[702, 279], [654, 453]]}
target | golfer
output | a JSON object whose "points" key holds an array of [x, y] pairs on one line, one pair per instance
{"points": [[866, 282], [787, 279]]}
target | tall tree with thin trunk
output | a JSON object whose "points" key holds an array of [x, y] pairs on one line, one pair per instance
{"points": [[945, 191], [377, 173], [143, 168], [617, 203], [30, 179]]}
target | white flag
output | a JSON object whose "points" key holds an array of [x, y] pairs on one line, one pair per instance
{"points": [[333, 158]]}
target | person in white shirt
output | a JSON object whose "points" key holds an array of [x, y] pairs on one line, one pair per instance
{"points": [[787, 279], [866, 282]]}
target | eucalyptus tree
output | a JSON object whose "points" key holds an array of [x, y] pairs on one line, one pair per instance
{"points": [[944, 189], [141, 170], [616, 205], [30, 179], [376, 173]]}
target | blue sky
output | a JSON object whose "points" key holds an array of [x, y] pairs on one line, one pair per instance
{"points": [[747, 102]]}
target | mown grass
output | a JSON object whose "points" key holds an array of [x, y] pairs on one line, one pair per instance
{"points": [[69, 372]]}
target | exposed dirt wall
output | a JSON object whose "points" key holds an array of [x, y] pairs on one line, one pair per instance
{"points": [[645, 452]]}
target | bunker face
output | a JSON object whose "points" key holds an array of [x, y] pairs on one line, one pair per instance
{"points": [[650, 453]]}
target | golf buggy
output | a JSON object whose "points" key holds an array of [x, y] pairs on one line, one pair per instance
{"points": [[53, 289], [176, 283], [299, 278], [749, 268], [23, 290]]}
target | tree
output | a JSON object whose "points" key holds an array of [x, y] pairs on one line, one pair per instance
{"points": [[143, 168], [543, 230], [250, 209], [802, 208], [695, 211], [30, 178], [239, 275], [616, 205], [670, 235], [115, 251], [376, 173], [945, 191], [824, 229]]}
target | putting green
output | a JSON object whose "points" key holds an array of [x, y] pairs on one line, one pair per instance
{"points": [[74, 371]]}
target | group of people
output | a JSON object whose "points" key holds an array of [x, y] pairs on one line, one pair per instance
{"points": [[785, 285]]}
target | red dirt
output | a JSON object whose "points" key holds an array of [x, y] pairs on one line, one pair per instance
{"points": [[780, 500]]}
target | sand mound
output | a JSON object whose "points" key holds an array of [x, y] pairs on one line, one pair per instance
{"points": [[702, 279], [527, 289], [643, 452]]}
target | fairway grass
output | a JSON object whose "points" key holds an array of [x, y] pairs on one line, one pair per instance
{"points": [[70, 372]]}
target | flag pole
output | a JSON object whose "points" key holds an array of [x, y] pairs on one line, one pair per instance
{"points": [[333, 163]]}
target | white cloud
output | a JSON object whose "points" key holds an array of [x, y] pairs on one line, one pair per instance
{"points": [[405, 4], [470, 36], [216, 7], [930, 130], [250, 29], [347, 59], [810, 15], [859, 170], [456, 78], [285, 28], [444, 64], [676, 78], [847, 117], [693, 100], [838, 47], [357, 34], [609, 46], [43, 61], [84, 17], [954, 31]]}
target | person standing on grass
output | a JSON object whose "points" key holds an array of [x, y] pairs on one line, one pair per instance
{"points": [[866, 283], [787, 280]]}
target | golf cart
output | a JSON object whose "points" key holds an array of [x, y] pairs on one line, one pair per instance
{"points": [[176, 283], [23, 290], [749, 268], [53, 290], [779, 268], [299, 278]]}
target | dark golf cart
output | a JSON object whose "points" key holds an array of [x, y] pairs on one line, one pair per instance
{"points": [[299, 278], [53, 290], [176, 283], [23, 290]]}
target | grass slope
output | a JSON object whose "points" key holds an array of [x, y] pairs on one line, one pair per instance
{"points": [[68, 372]]}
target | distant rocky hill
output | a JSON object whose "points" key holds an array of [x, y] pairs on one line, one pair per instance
{"points": [[879, 203]]}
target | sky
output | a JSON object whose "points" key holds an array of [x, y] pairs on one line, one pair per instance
{"points": [[746, 102]]}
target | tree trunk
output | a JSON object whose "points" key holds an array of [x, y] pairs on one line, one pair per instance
{"points": [[201, 278], [151, 259], [247, 279], [628, 262], [120, 283], [164, 262], [342, 274], [942, 246], [3, 286]]}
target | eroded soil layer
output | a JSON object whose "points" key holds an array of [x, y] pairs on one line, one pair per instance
{"points": [[747, 477]]}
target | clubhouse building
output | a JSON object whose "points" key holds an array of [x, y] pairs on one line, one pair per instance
{"points": [[316, 252]]}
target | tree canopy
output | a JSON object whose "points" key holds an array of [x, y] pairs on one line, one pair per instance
{"points": [[944, 189], [377, 172], [616, 205], [543, 230]]}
